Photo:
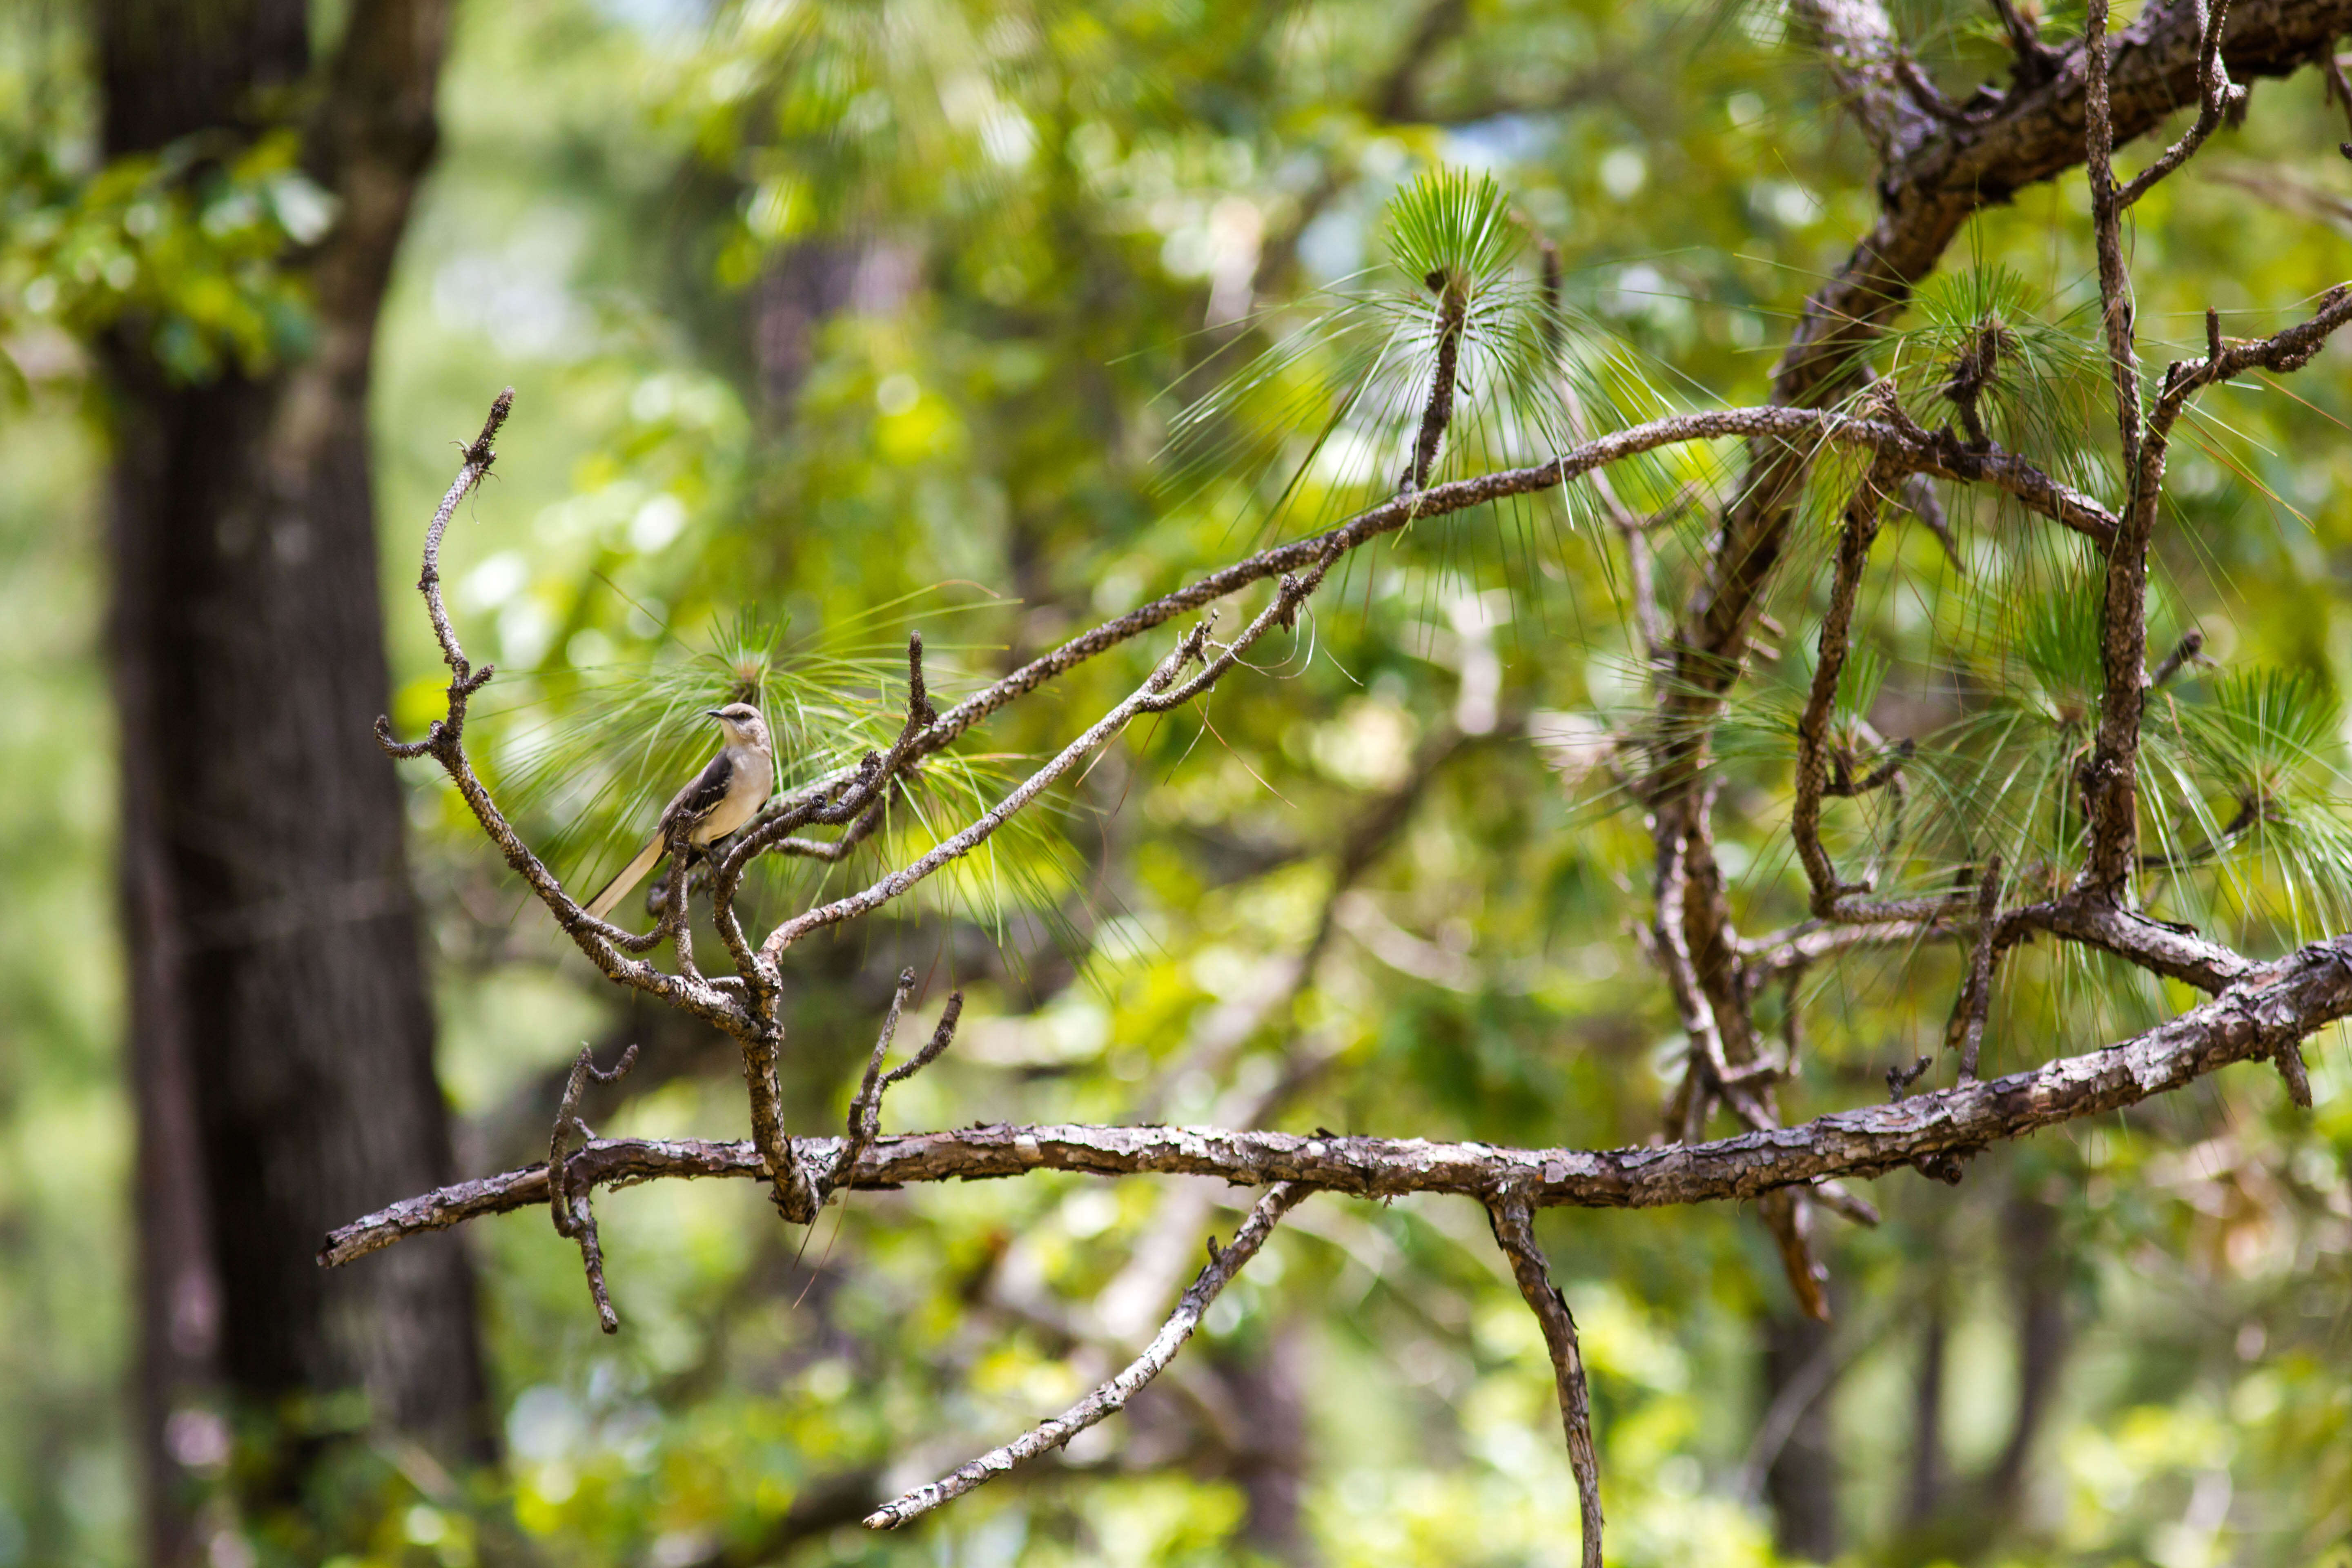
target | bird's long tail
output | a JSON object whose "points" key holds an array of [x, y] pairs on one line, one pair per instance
{"points": [[631, 875]]}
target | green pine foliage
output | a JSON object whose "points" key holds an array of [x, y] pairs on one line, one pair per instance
{"points": [[838, 320], [1327, 419]]}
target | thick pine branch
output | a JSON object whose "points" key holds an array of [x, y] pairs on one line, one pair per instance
{"points": [[2262, 1017]]}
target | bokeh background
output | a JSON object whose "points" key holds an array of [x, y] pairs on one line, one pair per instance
{"points": [[828, 320]]}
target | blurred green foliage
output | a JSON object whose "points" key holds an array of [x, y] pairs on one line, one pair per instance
{"points": [[831, 321]]}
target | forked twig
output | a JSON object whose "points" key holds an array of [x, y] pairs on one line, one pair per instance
{"points": [[606, 946], [865, 1110], [575, 1219], [2216, 93]]}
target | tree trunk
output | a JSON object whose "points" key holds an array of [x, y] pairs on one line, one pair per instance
{"points": [[1923, 1491], [1801, 1482], [1269, 1397], [282, 1033], [2037, 1263]]}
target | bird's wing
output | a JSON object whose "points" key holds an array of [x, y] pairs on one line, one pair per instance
{"points": [[613, 891], [701, 798], [697, 801]]}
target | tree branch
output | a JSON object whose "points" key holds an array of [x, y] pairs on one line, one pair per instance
{"points": [[2217, 94], [1913, 451], [1514, 1232], [2110, 776], [2274, 1005], [865, 1110], [1862, 518], [1966, 1033], [606, 946], [575, 1220], [2174, 951], [2106, 225], [2036, 133], [1112, 1396], [1865, 60]]}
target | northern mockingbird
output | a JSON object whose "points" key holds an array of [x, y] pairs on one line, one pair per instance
{"points": [[722, 798]]}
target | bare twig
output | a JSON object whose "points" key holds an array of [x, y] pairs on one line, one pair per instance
{"points": [[1778, 954], [2184, 653], [2250, 812], [2109, 777], [1899, 1078], [2216, 93], [1862, 514], [1833, 899], [1514, 1223], [574, 1219], [1112, 1396], [1437, 413], [2283, 351], [1789, 1222], [2171, 950], [1919, 499], [606, 946], [1967, 1029], [1843, 1202], [1704, 1067], [2339, 92], [2106, 224], [865, 1110], [2289, 1058]]}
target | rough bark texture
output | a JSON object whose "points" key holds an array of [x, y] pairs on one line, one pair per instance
{"points": [[282, 1031], [2294, 998]]}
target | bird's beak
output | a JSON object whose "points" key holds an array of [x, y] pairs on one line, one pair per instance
{"points": [[713, 713]]}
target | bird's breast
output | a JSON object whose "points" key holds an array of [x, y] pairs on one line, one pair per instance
{"points": [[755, 776]]}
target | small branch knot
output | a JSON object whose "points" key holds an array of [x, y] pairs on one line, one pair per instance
{"points": [[2289, 1058], [1899, 1078]]}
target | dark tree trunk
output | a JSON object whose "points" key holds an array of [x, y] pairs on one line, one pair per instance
{"points": [[1803, 1477], [2037, 1271], [282, 1031], [1923, 1491], [1270, 1399], [1801, 1481]]}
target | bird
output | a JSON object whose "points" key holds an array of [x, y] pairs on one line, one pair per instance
{"points": [[726, 794]]}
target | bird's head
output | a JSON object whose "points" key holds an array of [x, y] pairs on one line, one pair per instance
{"points": [[742, 723]]}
